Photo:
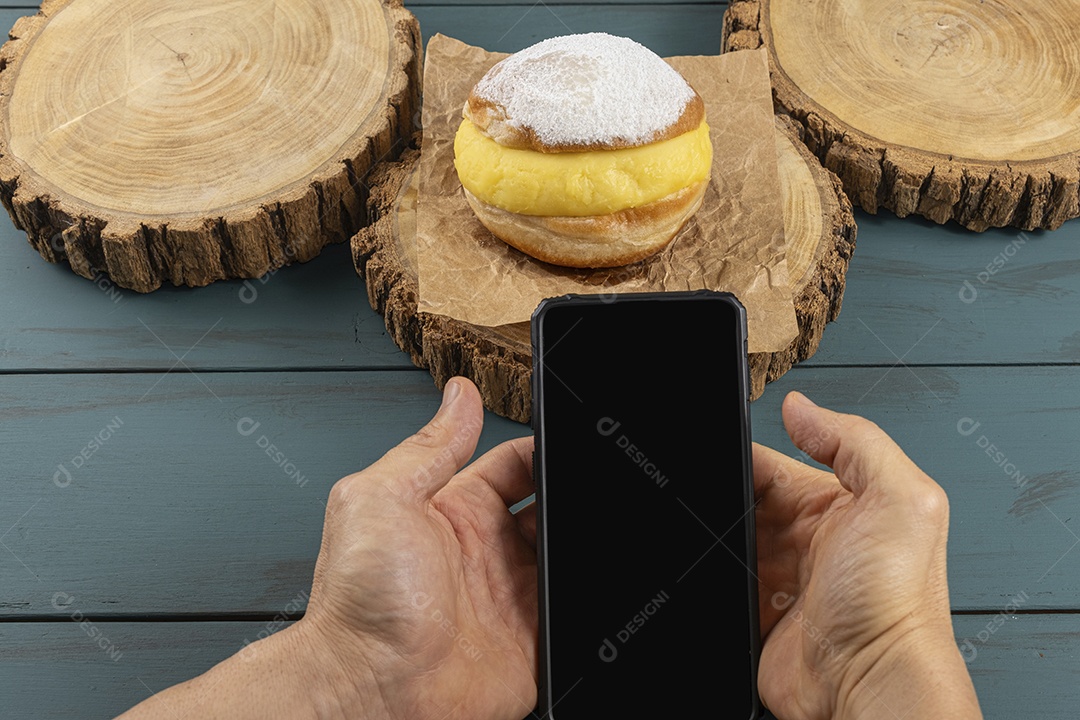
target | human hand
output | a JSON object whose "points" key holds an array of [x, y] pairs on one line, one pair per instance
{"points": [[425, 587], [424, 603], [854, 592]]}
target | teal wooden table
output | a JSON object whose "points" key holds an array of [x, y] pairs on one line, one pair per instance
{"points": [[146, 533]]}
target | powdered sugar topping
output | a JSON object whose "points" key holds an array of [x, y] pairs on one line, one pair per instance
{"points": [[587, 89]]}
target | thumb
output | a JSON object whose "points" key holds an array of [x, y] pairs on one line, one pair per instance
{"points": [[860, 453], [422, 464]]}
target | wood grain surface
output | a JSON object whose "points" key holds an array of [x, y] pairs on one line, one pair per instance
{"points": [[210, 497], [666, 29], [935, 295], [303, 316], [940, 295], [948, 109], [818, 226], [184, 118], [82, 471], [911, 279], [1025, 654]]}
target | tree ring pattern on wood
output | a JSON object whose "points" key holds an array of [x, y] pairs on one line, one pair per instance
{"points": [[164, 141], [947, 109], [818, 222]]}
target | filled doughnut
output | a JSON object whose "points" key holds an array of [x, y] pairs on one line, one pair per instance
{"points": [[584, 150]]}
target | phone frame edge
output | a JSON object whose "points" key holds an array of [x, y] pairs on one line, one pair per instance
{"points": [[544, 703]]}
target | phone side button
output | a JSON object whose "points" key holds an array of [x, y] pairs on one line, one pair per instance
{"points": [[746, 367]]}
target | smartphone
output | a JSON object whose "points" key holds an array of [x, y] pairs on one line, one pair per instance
{"points": [[645, 525]]}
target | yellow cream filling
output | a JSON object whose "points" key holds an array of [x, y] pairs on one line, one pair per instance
{"points": [[578, 184]]}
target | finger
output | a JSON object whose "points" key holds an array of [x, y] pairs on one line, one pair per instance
{"points": [[526, 519], [773, 470], [777, 475], [422, 464], [858, 451], [507, 468]]}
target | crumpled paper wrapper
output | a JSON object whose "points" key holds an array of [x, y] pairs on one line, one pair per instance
{"points": [[735, 242]]}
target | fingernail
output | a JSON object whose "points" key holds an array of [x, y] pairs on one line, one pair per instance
{"points": [[450, 393], [803, 400]]}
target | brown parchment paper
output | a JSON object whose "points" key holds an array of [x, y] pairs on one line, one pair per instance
{"points": [[735, 242]]}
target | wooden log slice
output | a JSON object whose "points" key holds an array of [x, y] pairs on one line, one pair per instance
{"points": [[950, 109], [187, 141], [821, 238]]}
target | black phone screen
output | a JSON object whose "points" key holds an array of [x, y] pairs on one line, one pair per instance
{"points": [[648, 602]]}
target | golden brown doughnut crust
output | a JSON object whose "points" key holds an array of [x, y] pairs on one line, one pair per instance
{"points": [[492, 121], [596, 241]]}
